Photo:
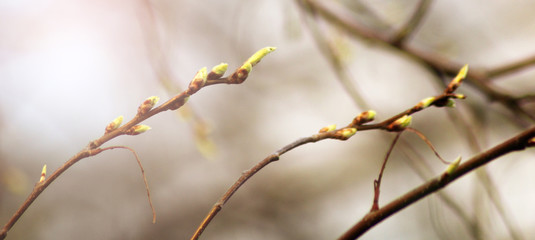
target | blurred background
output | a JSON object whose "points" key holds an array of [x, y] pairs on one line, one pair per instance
{"points": [[67, 68]]}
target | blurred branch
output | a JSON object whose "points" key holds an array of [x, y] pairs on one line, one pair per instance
{"points": [[516, 143], [405, 32], [479, 78]]}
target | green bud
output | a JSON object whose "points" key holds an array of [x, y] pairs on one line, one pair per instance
{"points": [[426, 102], [43, 174], [400, 124], [328, 128], [450, 103], [198, 81], [217, 71], [345, 133], [457, 80], [114, 124], [147, 105], [255, 58], [453, 166], [137, 129]]}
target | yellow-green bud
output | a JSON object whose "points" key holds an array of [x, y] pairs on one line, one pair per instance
{"points": [[114, 124], [43, 174], [531, 142], [147, 105], [457, 80], [198, 81], [426, 102], [137, 129], [450, 103], [400, 124], [453, 166], [255, 58], [217, 71], [328, 128], [345, 133]]}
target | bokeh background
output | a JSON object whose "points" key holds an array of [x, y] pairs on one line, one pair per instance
{"points": [[67, 68]]}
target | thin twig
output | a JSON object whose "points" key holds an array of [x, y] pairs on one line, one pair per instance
{"points": [[377, 182], [142, 174], [422, 136]]}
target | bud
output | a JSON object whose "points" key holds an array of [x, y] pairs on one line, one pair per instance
{"points": [[43, 174], [450, 103], [426, 102], [364, 117], [400, 124], [345, 133], [198, 81], [147, 105], [114, 124], [137, 129], [255, 58], [531, 142], [241, 74], [456, 82], [217, 71], [459, 96], [453, 166], [328, 128]]}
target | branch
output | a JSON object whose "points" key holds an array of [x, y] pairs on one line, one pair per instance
{"points": [[202, 79], [396, 123], [516, 143]]}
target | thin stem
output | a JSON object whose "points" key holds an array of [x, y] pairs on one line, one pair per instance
{"points": [[142, 174], [377, 182]]}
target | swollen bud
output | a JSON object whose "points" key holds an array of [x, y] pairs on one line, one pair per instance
{"points": [[400, 124], [328, 128], [426, 102], [364, 117], [453, 166], [147, 105], [43, 174], [198, 81], [114, 124], [255, 58], [137, 129], [456, 82], [217, 71], [345, 133]]}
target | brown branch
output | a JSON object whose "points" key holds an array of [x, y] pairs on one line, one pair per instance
{"points": [[516, 143], [358, 124], [145, 111]]}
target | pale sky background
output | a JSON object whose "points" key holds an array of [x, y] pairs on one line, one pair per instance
{"points": [[67, 68]]}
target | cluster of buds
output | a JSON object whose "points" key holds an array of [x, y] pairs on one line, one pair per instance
{"points": [[399, 124], [147, 105], [242, 72], [363, 118]]}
